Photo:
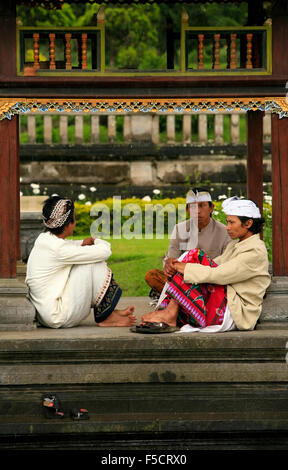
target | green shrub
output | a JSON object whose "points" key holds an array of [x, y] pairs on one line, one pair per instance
{"points": [[140, 212]]}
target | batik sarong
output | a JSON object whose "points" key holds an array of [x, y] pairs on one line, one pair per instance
{"points": [[200, 304], [108, 303]]}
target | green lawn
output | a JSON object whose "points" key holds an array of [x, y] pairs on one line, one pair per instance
{"points": [[131, 259]]}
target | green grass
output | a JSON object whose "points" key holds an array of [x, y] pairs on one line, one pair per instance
{"points": [[131, 259]]}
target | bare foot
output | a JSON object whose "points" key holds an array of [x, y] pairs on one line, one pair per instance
{"points": [[120, 318], [125, 312], [166, 315]]}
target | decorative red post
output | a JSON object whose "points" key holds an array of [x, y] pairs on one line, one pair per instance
{"points": [[216, 55], [249, 37], [68, 37], [280, 195], [255, 157], [9, 200], [84, 51], [36, 50], [52, 51], [233, 51], [200, 51]]}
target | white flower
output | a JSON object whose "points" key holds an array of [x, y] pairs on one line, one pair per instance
{"points": [[146, 198], [20, 179], [36, 191], [88, 203], [222, 196], [215, 212], [81, 197], [34, 185], [92, 189], [156, 191], [229, 187], [268, 199], [21, 194]]}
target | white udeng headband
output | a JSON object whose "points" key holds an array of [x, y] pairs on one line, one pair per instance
{"points": [[241, 207], [201, 196], [58, 216]]}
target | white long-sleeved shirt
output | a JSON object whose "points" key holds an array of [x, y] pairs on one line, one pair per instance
{"points": [[49, 266]]}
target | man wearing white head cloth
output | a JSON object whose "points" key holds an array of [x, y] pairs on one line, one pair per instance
{"points": [[199, 231], [227, 292]]}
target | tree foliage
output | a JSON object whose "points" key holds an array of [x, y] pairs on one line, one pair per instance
{"points": [[135, 34]]}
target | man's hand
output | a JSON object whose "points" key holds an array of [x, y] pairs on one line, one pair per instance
{"points": [[88, 241], [179, 267], [169, 269]]}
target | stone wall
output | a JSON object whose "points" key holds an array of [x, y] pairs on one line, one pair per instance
{"points": [[147, 154]]}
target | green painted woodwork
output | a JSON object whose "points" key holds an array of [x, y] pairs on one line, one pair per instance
{"points": [[184, 71]]}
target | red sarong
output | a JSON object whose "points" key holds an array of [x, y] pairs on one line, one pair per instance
{"points": [[200, 304]]}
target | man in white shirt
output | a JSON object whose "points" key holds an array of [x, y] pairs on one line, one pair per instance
{"points": [[67, 278], [199, 231]]}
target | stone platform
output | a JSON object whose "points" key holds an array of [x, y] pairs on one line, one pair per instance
{"points": [[171, 391]]}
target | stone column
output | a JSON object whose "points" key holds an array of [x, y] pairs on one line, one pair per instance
{"points": [[127, 128], [48, 130], [202, 128], [155, 129], [141, 127], [267, 128], [63, 129], [95, 129], [170, 123], [186, 128], [111, 128], [235, 128], [31, 129], [218, 129], [79, 130]]}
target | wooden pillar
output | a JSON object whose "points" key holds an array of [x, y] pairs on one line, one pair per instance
{"points": [[279, 195], [8, 37], [9, 200], [255, 157]]}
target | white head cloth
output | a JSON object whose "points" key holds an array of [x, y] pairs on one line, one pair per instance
{"points": [[241, 207], [198, 196]]}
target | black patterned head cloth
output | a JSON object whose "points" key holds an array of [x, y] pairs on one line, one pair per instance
{"points": [[59, 215]]}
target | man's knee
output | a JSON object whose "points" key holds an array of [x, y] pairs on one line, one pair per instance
{"points": [[155, 278]]}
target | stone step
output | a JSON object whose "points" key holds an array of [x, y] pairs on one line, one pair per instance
{"points": [[142, 389]]}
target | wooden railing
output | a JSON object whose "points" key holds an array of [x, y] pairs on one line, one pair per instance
{"points": [[203, 51], [158, 128], [229, 49], [61, 50]]}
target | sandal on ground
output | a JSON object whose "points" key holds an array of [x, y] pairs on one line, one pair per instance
{"points": [[79, 414], [153, 327], [52, 406]]}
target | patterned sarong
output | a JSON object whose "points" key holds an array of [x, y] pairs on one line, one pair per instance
{"points": [[108, 303], [200, 304]]}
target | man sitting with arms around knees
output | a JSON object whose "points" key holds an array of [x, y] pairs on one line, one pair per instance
{"points": [[66, 278], [210, 236]]}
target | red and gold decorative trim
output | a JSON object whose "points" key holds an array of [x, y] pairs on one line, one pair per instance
{"points": [[13, 106]]}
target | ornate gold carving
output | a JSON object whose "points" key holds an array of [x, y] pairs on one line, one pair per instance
{"points": [[12, 106]]}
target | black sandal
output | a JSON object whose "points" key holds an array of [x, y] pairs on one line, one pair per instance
{"points": [[154, 327], [52, 406]]}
